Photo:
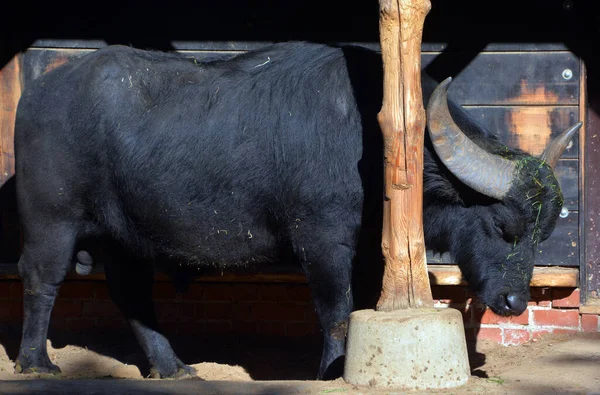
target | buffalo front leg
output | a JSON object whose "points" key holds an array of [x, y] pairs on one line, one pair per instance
{"points": [[130, 286], [43, 266], [329, 272]]}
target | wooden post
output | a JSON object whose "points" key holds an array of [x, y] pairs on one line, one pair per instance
{"points": [[402, 121]]}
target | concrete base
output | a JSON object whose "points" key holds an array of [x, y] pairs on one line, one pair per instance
{"points": [[407, 349]]}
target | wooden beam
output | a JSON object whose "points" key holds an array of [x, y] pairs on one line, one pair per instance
{"points": [[402, 121]]}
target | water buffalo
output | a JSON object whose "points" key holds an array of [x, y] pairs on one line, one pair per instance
{"points": [[275, 154]]}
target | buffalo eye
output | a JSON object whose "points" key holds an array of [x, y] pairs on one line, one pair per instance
{"points": [[504, 232]]}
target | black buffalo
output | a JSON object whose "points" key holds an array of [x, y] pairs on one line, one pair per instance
{"points": [[273, 155]]}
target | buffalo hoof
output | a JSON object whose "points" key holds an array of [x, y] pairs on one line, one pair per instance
{"points": [[183, 372], [46, 368]]}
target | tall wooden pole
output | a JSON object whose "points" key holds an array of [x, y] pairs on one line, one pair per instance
{"points": [[402, 121]]}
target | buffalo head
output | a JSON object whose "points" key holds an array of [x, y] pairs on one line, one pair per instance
{"points": [[487, 204]]}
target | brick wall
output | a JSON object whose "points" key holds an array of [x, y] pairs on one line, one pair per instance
{"points": [[284, 309], [550, 310]]}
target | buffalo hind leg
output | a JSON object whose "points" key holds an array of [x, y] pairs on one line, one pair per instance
{"points": [[46, 259], [329, 271], [130, 286]]}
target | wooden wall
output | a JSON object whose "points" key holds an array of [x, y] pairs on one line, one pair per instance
{"points": [[455, 30], [520, 95]]}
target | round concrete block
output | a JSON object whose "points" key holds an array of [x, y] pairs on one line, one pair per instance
{"points": [[407, 349]]}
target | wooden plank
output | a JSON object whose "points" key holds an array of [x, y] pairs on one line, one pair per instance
{"points": [[530, 78], [560, 249], [10, 91], [592, 306], [438, 275], [529, 128], [591, 280], [542, 276]]}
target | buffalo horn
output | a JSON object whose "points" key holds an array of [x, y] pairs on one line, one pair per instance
{"points": [[556, 147], [486, 173]]}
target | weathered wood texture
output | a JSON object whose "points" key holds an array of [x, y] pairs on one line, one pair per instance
{"points": [[528, 127], [591, 266], [402, 121], [10, 91]]}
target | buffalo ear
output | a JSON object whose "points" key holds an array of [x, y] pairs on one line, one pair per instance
{"points": [[489, 174], [557, 146]]}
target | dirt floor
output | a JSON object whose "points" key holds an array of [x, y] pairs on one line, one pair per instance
{"points": [[561, 364]]}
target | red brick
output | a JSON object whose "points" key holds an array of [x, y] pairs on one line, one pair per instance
{"points": [[278, 312], [299, 294], [16, 290], [112, 323], [494, 334], [5, 289], [218, 292], [218, 326], [449, 294], [64, 308], [79, 290], [514, 337], [100, 309], [215, 311], [81, 324], [191, 328], [565, 297], [245, 292], [59, 323], [244, 327], [163, 291], [300, 329], [273, 293], [537, 333], [540, 297], [195, 292], [556, 317], [101, 292], [173, 311], [311, 315], [271, 328], [489, 317], [589, 322], [170, 328], [11, 310], [242, 311]]}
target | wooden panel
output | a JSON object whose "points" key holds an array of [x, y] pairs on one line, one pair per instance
{"points": [[10, 91], [591, 270], [529, 128], [532, 78], [567, 172], [560, 249], [543, 122]]}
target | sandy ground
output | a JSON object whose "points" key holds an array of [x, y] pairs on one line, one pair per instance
{"points": [[555, 364]]}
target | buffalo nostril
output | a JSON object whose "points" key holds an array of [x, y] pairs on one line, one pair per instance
{"points": [[516, 303]]}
